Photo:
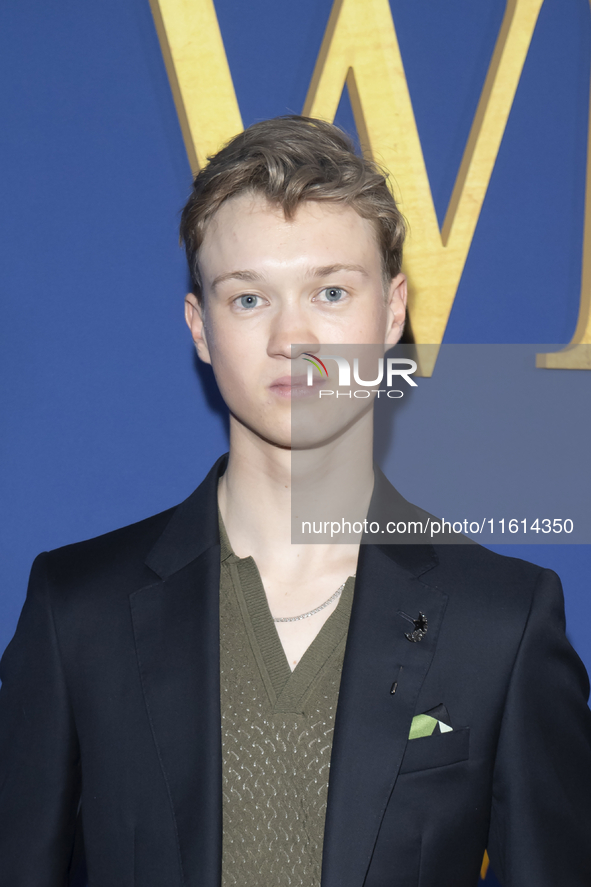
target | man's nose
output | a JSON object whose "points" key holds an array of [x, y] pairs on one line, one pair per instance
{"points": [[291, 334]]}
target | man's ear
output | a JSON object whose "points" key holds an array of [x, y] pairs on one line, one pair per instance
{"points": [[194, 318], [396, 305]]}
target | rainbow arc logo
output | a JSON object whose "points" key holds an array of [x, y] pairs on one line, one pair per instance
{"points": [[315, 361]]}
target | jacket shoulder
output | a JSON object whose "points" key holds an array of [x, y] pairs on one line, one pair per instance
{"points": [[142, 553], [117, 557], [505, 586], [475, 560]]}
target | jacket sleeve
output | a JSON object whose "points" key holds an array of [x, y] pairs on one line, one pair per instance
{"points": [[540, 829], [39, 759]]}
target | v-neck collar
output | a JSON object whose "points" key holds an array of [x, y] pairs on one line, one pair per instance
{"points": [[288, 691]]}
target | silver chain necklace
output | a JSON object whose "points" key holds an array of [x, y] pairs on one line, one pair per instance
{"points": [[332, 598]]}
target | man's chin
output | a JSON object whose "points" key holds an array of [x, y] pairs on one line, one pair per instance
{"points": [[275, 434]]}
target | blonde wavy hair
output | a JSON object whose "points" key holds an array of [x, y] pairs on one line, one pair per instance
{"points": [[289, 160]]}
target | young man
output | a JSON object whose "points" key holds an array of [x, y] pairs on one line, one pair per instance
{"points": [[173, 688]]}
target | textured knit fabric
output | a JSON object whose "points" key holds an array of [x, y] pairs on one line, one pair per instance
{"points": [[277, 729]]}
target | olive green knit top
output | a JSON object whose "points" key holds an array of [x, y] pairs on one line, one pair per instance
{"points": [[277, 728]]}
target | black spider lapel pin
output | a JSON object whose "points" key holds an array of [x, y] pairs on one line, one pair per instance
{"points": [[420, 629]]}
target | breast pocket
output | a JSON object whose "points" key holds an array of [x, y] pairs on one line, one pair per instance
{"points": [[436, 751]]}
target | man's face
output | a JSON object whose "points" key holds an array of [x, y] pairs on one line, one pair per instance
{"points": [[269, 284]]}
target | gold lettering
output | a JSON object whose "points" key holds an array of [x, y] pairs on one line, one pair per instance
{"points": [[199, 75], [577, 354], [360, 48], [484, 866]]}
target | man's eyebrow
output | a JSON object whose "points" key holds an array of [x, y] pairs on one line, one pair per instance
{"points": [[327, 270], [321, 271], [237, 275]]}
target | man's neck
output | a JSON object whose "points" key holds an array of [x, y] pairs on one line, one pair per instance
{"points": [[261, 487], [264, 484]]}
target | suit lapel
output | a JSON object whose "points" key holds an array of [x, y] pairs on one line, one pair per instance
{"points": [[176, 628], [372, 725]]}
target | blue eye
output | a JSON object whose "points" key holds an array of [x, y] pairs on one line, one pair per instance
{"points": [[333, 293], [248, 301]]}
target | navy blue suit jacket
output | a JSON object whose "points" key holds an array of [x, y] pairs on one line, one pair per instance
{"points": [[110, 718]]}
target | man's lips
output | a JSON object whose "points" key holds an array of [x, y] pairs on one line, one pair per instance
{"points": [[290, 386]]}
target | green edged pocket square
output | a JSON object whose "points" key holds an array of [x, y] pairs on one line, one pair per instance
{"points": [[434, 721]]}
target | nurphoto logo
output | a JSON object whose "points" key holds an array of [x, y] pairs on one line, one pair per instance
{"points": [[396, 368]]}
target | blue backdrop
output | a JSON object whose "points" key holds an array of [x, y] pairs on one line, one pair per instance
{"points": [[106, 418]]}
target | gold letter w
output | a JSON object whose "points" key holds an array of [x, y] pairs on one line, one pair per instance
{"points": [[360, 48]]}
